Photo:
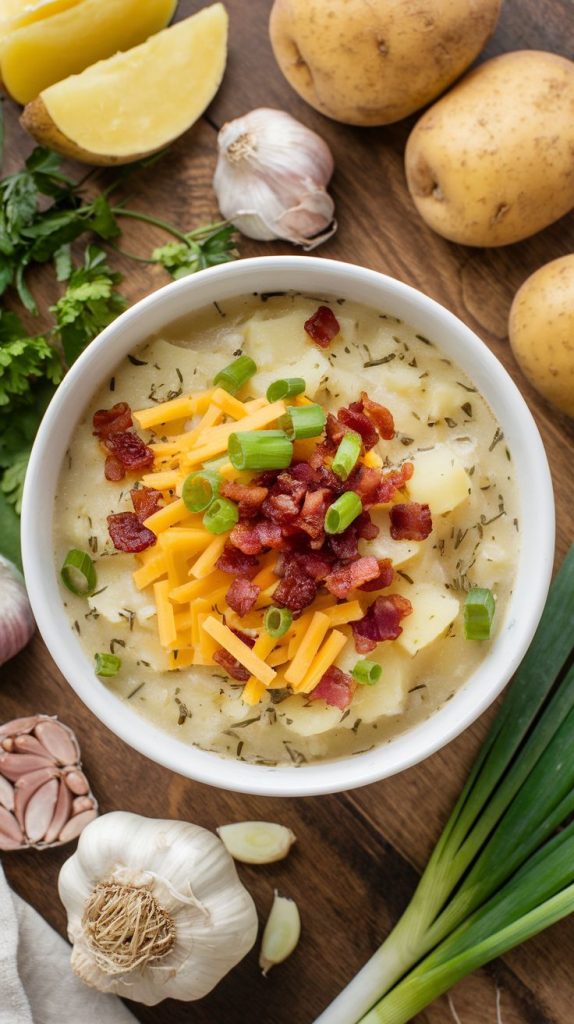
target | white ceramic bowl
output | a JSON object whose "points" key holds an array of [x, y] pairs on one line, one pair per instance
{"points": [[316, 276]]}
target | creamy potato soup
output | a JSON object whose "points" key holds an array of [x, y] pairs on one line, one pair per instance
{"points": [[312, 609]]}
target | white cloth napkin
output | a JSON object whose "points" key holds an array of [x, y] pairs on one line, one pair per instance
{"points": [[37, 984]]}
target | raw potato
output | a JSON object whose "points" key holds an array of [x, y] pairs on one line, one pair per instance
{"points": [[439, 480], [16, 13], [50, 49], [541, 331], [373, 62], [491, 162], [135, 103]]}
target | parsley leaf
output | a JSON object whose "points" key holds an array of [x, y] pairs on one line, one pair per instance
{"points": [[204, 247], [89, 303]]}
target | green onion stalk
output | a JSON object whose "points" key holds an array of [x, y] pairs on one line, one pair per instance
{"points": [[501, 872]]}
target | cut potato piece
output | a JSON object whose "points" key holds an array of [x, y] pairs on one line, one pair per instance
{"points": [[434, 609], [440, 480], [15, 14], [307, 718], [388, 696], [443, 400], [135, 103], [383, 546], [264, 338], [50, 49]]}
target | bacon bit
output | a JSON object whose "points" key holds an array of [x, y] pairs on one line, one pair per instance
{"points": [[129, 449], [242, 595], [334, 431], [354, 574], [365, 481], [368, 530], [393, 482], [381, 622], [296, 590], [287, 483], [113, 469], [236, 563], [354, 418], [410, 521], [380, 416], [316, 564], [335, 688], [312, 517], [280, 508], [384, 579], [128, 534], [250, 497], [233, 667], [322, 326], [110, 421], [252, 539], [145, 501]]}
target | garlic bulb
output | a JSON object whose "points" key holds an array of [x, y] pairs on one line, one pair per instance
{"points": [[155, 908], [16, 620], [271, 178]]}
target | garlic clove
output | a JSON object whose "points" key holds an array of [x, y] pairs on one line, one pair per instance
{"points": [[62, 813], [76, 782], [40, 810], [16, 620], [26, 744], [305, 224], [281, 933], [256, 842], [13, 766], [10, 827], [26, 786], [6, 794], [76, 825], [18, 726], [59, 742]]}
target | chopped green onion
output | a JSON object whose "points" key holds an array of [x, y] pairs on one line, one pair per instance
{"points": [[260, 449], [288, 387], [479, 608], [78, 573], [503, 869], [277, 620], [221, 516], [341, 513], [199, 489], [367, 672], [107, 664], [347, 454], [303, 421], [232, 378]]}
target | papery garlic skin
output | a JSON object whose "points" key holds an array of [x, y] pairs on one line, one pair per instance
{"points": [[193, 879], [16, 620], [271, 178]]}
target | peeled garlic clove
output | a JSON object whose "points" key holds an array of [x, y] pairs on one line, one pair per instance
{"points": [[281, 933], [16, 620], [58, 741], [40, 810], [62, 813], [256, 842]]}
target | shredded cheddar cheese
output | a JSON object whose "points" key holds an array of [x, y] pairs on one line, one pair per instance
{"points": [[240, 651]]}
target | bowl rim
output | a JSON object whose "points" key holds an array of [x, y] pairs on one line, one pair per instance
{"points": [[536, 512]]}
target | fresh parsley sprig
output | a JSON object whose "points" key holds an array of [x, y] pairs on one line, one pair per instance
{"points": [[42, 212]]}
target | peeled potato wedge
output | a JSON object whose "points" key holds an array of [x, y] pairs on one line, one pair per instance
{"points": [[137, 102], [17, 13], [47, 50]]}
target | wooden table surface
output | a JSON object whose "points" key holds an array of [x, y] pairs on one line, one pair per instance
{"points": [[359, 853]]}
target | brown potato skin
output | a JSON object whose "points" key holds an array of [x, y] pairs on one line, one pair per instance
{"points": [[541, 331], [373, 62], [36, 120], [492, 162]]}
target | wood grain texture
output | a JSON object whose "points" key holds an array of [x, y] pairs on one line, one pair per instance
{"points": [[358, 854]]}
